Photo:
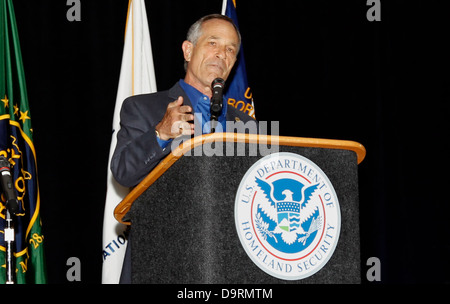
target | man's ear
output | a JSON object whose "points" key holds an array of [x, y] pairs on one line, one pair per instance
{"points": [[187, 47]]}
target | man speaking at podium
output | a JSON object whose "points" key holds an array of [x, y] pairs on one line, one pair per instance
{"points": [[150, 122]]}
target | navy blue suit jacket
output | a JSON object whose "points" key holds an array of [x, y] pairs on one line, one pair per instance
{"points": [[137, 151]]}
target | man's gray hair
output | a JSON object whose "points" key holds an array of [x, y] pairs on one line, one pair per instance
{"points": [[195, 31]]}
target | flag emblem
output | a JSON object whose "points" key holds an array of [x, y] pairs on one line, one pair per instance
{"points": [[287, 216]]}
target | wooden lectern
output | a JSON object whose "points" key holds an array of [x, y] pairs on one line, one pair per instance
{"points": [[182, 214]]}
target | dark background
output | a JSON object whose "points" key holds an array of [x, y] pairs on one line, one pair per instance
{"points": [[320, 68]]}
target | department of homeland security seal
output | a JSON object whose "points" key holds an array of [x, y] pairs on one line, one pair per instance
{"points": [[287, 216]]}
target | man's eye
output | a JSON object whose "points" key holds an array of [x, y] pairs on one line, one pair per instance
{"points": [[213, 43]]}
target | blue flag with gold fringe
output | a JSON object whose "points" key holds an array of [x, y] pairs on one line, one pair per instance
{"points": [[238, 93], [16, 145]]}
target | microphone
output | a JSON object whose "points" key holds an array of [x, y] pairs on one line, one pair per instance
{"points": [[216, 104], [7, 184]]}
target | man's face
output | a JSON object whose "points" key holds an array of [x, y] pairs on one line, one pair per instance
{"points": [[214, 54]]}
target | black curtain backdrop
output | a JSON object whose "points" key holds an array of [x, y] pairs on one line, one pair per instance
{"points": [[320, 68]]}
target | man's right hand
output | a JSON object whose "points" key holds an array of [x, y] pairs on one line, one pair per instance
{"points": [[177, 121]]}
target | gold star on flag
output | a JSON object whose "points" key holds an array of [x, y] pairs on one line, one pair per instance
{"points": [[6, 101], [24, 116]]}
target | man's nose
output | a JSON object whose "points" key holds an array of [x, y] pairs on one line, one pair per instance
{"points": [[221, 53]]}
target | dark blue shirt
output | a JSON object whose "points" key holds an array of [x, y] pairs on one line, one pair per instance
{"points": [[201, 109]]}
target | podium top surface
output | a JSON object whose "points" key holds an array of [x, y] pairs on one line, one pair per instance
{"points": [[125, 205]]}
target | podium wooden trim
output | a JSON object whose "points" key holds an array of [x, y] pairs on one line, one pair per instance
{"points": [[124, 206]]}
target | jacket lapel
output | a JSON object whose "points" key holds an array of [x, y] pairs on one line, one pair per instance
{"points": [[177, 91]]}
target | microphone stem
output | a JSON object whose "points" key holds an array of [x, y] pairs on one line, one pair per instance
{"points": [[9, 240], [213, 123]]}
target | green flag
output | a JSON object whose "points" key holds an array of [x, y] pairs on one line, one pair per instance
{"points": [[16, 145]]}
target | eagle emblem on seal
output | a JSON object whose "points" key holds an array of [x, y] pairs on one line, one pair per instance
{"points": [[288, 217]]}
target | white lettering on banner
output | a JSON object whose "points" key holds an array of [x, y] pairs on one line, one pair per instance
{"points": [[115, 244]]}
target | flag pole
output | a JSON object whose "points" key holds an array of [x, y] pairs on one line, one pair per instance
{"points": [[9, 240], [11, 209], [224, 7]]}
